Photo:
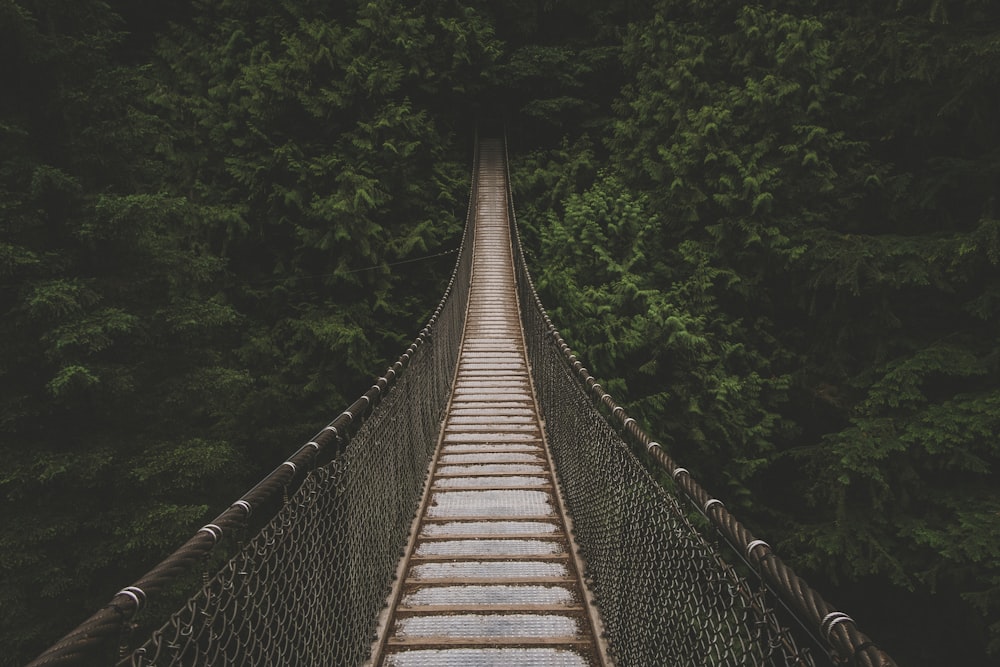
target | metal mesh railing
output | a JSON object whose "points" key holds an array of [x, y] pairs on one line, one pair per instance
{"points": [[308, 586], [333, 519], [667, 595], [307, 589]]}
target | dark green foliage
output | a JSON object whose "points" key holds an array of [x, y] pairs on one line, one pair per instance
{"points": [[197, 259], [313, 135], [102, 275], [805, 309], [770, 229], [638, 309]]}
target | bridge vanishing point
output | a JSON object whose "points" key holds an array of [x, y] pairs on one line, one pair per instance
{"points": [[483, 504]]}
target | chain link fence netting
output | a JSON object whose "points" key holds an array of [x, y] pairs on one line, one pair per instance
{"points": [[303, 563], [666, 592], [328, 528], [665, 595], [307, 590]]}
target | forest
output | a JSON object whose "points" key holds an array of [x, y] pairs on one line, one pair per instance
{"points": [[771, 229]]}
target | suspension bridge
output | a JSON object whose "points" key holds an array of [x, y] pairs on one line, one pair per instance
{"points": [[482, 504]]}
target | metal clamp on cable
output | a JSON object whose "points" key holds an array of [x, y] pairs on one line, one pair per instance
{"points": [[137, 594], [245, 505], [753, 545], [711, 502], [830, 621], [677, 472], [212, 530]]}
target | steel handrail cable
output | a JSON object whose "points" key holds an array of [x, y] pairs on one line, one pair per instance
{"points": [[97, 637], [837, 630]]}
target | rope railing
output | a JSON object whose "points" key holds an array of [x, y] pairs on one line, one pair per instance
{"points": [[336, 514], [834, 632]]}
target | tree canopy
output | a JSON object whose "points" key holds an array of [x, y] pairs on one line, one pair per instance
{"points": [[771, 229]]}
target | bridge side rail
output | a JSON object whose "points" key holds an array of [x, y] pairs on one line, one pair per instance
{"points": [[246, 612], [632, 631]]}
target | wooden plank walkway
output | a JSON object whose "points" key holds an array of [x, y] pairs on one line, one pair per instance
{"points": [[490, 577]]}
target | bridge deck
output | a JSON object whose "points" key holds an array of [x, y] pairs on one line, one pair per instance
{"points": [[491, 578]]}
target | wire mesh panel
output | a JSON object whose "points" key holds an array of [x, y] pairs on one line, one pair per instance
{"points": [[665, 595], [308, 588], [328, 527]]}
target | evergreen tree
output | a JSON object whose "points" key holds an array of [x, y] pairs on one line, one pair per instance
{"points": [[200, 259], [327, 145], [820, 176], [110, 448], [771, 229]]}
